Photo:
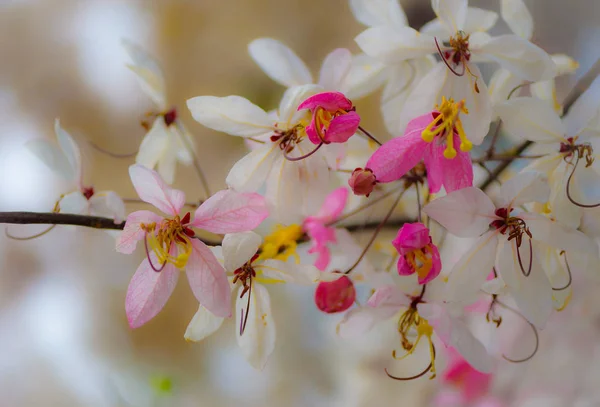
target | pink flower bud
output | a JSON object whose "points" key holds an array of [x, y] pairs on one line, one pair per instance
{"points": [[362, 181], [335, 296]]}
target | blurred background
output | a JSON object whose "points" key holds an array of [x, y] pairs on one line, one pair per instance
{"points": [[64, 336]]}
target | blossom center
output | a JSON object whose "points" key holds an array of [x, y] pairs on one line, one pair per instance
{"points": [[169, 117], [88, 192], [323, 119], [420, 261], [282, 243], [459, 45], [288, 139], [411, 319], [515, 226], [445, 124], [570, 148], [160, 238]]}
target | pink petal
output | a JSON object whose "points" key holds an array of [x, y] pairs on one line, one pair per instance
{"points": [[388, 296], [436, 267], [453, 174], [132, 233], [152, 189], [335, 296], [399, 155], [208, 280], [404, 269], [342, 127], [148, 292], [433, 164], [311, 132], [411, 236], [323, 256], [333, 206], [330, 101], [228, 211]]}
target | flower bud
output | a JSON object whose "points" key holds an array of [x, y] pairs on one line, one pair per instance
{"points": [[362, 181], [335, 296]]}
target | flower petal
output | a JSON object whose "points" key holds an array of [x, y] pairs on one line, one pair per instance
{"points": [[454, 174], [149, 291], [238, 248], [531, 119], [74, 202], [452, 13], [53, 157], [479, 20], [208, 280], [366, 74], [465, 213], [584, 109], [107, 204], [288, 272], [342, 127], [257, 341], [229, 211], [251, 171], [152, 189], [148, 73], [557, 235], [330, 101], [333, 206], [532, 294], [70, 150], [519, 56], [335, 68], [399, 155], [470, 272], [203, 324], [335, 296], [233, 115], [378, 12], [528, 186], [153, 145], [288, 114], [393, 45], [517, 17], [132, 233], [279, 62], [360, 320]]}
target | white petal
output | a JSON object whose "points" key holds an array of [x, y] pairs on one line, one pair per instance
{"points": [[584, 109], [436, 28], [250, 173], [167, 163], [470, 272], [531, 119], [74, 202], [519, 56], [518, 17], [379, 12], [233, 115], [335, 68], [289, 272], [532, 294], [148, 73], [279, 62], [502, 83], [258, 339], [107, 204], [527, 187], [203, 324], [360, 320], [452, 13], [365, 75], [53, 157], [70, 149], [393, 45], [479, 20], [153, 145], [238, 248], [557, 235], [466, 212], [546, 92], [495, 286], [564, 64]]}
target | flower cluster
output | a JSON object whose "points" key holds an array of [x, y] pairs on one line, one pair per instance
{"points": [[466, 250]]}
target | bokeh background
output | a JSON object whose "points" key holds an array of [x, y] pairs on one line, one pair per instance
{"points": [[64, 339]]}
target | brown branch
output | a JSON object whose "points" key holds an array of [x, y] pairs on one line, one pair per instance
{"points": [[580, 87]]}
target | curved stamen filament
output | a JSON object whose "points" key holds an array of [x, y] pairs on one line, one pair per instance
{"points": [[244, 319], [302, 157], [429, 368], [568, 189], [366, 133], [40, 234], [446, 62], [568, 272], [163, 264], [110, 153], [535, 333], [528, 272]]}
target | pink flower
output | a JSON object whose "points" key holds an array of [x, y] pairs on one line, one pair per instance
{"points": [[333, 118], [430, 137], [417, 253], [170, 245], [335, 296], [316, 226], [362, 182]]}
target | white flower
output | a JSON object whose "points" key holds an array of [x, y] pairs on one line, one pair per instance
{"points": [[167, 140], [250, 272], [355, 76], [293, 188], [569, 142], [464, 28], [508, 240], [65, 160], [423, 312]]}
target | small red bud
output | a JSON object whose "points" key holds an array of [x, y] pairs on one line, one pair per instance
{"points": [[362, 181], [335, 296]]}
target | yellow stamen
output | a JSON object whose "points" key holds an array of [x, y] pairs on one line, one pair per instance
{"points": [[445, 124], [411, 319], [160, 241], [421, 262], [282, 243]]}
